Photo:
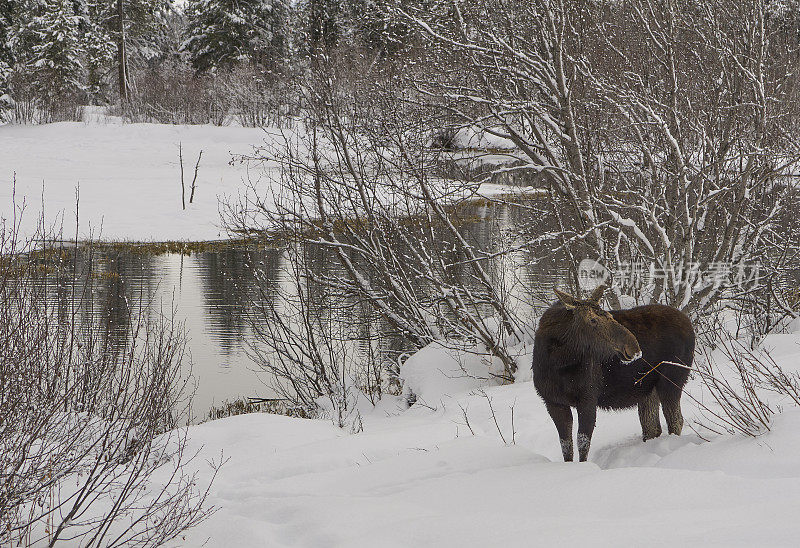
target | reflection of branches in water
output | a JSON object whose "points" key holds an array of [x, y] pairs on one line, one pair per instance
{"points": [[374, 237], [129, 283], [97, 290], [228, 278]]}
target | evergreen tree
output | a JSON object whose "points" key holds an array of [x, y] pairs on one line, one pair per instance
{"points": [[374, 24], [223, 33], [52, 50], [138, 33], [324, 19], [378, 26], [97, 45], [6, 59], [100, 50], [47, 47], [381, 27]]}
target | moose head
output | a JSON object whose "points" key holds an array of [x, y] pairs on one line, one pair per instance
{"points": [[594, 332]]}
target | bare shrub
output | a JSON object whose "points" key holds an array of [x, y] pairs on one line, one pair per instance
{"points": [[259, 97], [31, 105], [304, 346], [88, 417], [174, 94], [368, 228], [664, 130], [766, 309], [738, 386]]}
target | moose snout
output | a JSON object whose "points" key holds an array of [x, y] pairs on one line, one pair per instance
{"points": [[630, 354], [630, 350]]}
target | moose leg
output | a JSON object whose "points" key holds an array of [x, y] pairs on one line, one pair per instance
{"points": [[670, 396], [672, 412], [587, 414], [648, 416], [562, 417]]}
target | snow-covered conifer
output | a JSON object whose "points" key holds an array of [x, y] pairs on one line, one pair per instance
{"points": [[6, 11], [47, 46], [223, 33]]}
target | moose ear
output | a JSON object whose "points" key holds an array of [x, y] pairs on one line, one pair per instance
{"points": [[567, 300], [598, 293]]}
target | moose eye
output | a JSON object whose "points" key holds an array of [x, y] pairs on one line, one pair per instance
{"points": [[593, 321]]}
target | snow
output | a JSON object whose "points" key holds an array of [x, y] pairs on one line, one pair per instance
{"points": [[428, 476], [128, 176], [494, 190], [473, 137], [470, 464], [434, 371]]}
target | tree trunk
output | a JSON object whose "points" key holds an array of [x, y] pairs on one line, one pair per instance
{"points": [[121, 54]]}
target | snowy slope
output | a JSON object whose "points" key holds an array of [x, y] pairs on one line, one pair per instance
{"points": [[423, 477]]}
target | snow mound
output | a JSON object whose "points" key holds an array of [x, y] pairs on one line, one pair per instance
{"points": [[478, 138], [435, 373]]}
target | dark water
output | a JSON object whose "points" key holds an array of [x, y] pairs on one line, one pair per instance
{"points": [[213, 293]]}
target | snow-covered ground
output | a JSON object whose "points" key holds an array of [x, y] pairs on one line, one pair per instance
{"points": [[424, 477], [443, 472], [128, 175]]}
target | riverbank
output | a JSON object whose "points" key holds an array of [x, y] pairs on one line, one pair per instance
{"points": [[124, 180], [128, 177]]}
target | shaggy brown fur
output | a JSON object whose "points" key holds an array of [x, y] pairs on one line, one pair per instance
{"points": [[586, 357]]}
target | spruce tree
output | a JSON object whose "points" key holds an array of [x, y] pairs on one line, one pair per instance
{"points": [[143, 23], [6, 58], [377, 25], [324, 20], [100, 50], [381, 27], [47, 47], [223, 33]]}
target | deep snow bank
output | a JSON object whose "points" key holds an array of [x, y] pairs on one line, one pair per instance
{"points": [[439, 474]]}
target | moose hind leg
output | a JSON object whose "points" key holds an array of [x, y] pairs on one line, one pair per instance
{"points": [[672, 412], [587, 415], [562, 417], [671, 405], [648, 416]]}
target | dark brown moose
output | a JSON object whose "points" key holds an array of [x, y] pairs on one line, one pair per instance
{"points": [[586, 357]]}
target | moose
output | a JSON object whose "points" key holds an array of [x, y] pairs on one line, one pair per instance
{"points": [[586, 357]]}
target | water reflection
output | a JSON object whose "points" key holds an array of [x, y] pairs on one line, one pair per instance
{"points": [[213, 292], [228, 281]]}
